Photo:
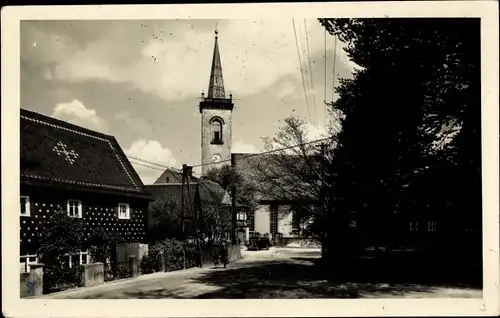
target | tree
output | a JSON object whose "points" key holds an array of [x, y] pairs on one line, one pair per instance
{"points": [[61, 237], [418, 83], [231, 180], [290, 173], [164, 219]]}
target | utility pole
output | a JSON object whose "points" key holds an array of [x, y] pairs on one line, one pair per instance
{"points": [[322, 198], [184, 172], [186, 176], [233, 203]]}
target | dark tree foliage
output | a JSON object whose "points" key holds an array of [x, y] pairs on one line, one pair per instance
{"points": [[229, 178], [409, 148]]}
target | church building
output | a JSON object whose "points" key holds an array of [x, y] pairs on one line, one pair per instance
{"points": [[216, 139]]}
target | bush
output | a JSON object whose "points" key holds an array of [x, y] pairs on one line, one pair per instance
{"points": [[149, 264], [173, 251], [57, 278]]}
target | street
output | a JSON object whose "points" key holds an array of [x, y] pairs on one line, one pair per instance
{"points": [[275, 273]]}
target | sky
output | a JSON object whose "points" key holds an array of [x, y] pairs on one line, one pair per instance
{"points": [[139, 80]]}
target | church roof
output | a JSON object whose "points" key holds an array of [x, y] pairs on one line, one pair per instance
{"points": [[216, 85], [57, 152]]}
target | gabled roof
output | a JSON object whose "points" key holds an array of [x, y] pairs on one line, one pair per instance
{"points": [[209, 192], [57, 152], [171, 176], [212, 192]]}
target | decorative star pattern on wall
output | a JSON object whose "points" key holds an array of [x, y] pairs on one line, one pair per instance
{"points": [[132, 230]]}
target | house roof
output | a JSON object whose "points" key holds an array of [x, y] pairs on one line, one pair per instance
{"points": [[210, 192], [171, 176], [57, 152]]}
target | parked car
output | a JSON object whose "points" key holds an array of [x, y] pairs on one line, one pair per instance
{"points": [[258, 244]]}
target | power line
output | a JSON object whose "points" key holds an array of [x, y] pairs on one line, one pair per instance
{"points": [[265, 152], [326, 128], [147, 166], [310, 72], [334, 62], [154, 163], [301, 71]]}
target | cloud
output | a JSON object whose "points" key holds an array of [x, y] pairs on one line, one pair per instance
{"points": [[152, 151], [239, 146], [315, 132], [172, 59], [139, 126], [76, 113]]}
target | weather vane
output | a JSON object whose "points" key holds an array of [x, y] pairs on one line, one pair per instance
{"points": [[216, 29]]}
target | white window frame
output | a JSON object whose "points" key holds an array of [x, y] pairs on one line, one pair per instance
{"points": [[241, 216], [127, 216], [27, 262], [79, 208], [80, 253], [26, 206], [431, 226]]}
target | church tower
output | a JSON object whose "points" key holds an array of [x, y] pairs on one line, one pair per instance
{"points": [[216, 112]]}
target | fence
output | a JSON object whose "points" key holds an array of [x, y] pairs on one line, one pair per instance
{"points": [[57, 279], [177, 260]]}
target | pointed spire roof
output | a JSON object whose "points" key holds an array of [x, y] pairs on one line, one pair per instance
{"points": [[216, 86]]}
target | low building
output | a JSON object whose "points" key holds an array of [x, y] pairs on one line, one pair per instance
{"points": [[200, 196], [283, 211], [82, 172]]}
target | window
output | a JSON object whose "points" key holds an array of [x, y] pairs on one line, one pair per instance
{"points": [[25, 206], [216, 126], [250, 221], [431, 226], [74, 208], [241, 216], [26, 261], [76, 259], [295, 220], [273, 220], [123, 211]]}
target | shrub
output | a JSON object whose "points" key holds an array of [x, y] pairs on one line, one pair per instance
{"points": [[149, 264], [175, 252]]}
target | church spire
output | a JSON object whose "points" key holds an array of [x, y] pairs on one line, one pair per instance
{"points": [[216, 86]]}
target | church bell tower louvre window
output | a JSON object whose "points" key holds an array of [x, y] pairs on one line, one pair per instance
{"points": [[216, 125]]}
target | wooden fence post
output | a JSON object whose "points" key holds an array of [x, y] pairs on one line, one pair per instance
{"points": [[162, 261], [133, 263], [184, 257]]}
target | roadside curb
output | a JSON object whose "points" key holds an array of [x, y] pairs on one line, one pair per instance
{"points": [[126, 281]]}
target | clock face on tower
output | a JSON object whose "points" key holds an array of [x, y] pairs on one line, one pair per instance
{"points": [[216, 158]]}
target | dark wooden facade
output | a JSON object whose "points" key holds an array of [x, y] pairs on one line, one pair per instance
{"points": [[98, 210], [81, 172]]}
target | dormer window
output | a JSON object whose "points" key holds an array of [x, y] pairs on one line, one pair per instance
{"points": [[216, 128]]}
